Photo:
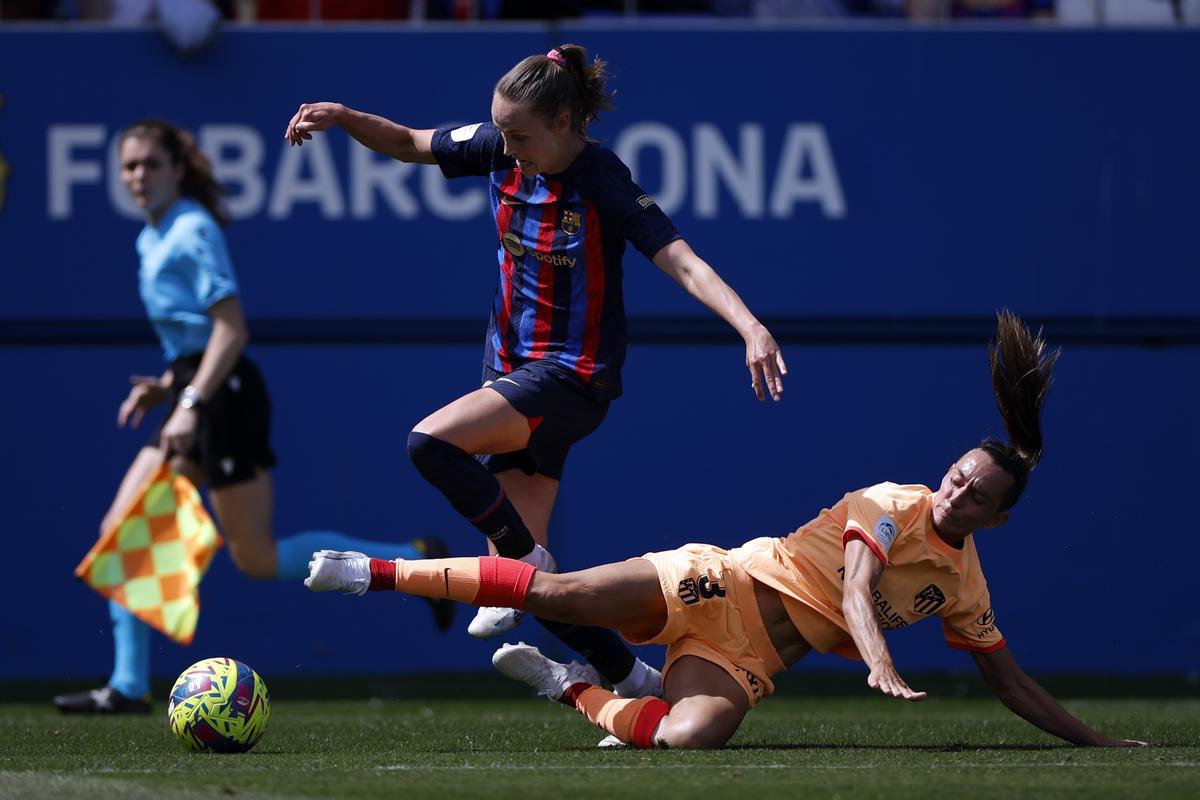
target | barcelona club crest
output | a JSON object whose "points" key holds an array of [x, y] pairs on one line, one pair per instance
{"points": [[571, 222]]}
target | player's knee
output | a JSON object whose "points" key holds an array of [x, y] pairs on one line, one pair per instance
{"points": [[426, 452], [689, 733], [416, 445]]}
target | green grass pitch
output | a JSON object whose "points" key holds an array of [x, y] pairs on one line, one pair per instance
{"points": [[791, 746]]}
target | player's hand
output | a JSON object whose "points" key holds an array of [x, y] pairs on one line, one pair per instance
{"points": [[887, 680], [765, 363], [312, 117], [179, 434], [145, 394]]}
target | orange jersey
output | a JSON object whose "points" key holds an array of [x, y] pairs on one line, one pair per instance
{"points": [[922, 577]]}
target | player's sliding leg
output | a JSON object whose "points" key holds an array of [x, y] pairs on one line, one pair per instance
{"points": [[631, 721], [624, 596], [701, 721], [470, 579]]}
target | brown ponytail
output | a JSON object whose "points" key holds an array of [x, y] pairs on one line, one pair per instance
{"points": [[1022, 372], [560, 80]]}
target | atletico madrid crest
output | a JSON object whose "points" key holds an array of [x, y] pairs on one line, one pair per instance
{"points": [[571, 222]]}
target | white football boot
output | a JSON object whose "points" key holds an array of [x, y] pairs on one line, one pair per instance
{"points": [[491, 621], [335, 571], [525, 663]]}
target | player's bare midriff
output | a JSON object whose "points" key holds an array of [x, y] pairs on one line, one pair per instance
{"points": [[788, 642]]}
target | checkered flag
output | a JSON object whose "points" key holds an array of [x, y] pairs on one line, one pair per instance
{"points": [[151, 561]]}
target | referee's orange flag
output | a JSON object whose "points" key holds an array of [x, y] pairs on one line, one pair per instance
{"points": [[152, 559]]}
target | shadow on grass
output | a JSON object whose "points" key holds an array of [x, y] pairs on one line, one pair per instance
{"points": [[916, 748]]}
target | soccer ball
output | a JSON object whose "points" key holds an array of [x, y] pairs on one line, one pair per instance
{"points": [[219, 705]]}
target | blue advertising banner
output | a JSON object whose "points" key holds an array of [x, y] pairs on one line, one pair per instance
{"points": [[871, 172]]}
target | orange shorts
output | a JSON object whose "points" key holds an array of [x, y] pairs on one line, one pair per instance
{"points": [[712, 614]]}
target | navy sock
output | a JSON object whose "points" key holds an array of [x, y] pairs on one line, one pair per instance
{"points": [[601, 647], [473, 491]]}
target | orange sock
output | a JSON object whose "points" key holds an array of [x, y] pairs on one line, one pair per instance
{"points": [[632, 721], [482, 580]]}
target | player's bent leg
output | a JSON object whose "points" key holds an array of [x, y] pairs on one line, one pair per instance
{"points": [[244, 513], [630, 721], [707, 706], [481, 421], [442, 448], [525, 663]]}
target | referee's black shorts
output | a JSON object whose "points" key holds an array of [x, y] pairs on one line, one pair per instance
{"points": [[233, 435]]}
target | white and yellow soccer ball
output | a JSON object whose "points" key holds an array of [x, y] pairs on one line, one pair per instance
{"points": [[219, 705]]}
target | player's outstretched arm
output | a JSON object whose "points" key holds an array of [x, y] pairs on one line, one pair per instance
{"points": [[863, 571], [763, 358], [379, 134], [1028, 700]]}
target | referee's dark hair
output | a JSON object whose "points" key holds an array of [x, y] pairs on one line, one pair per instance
{"points": [[560, 80], [198, 181], [1022, 371]]}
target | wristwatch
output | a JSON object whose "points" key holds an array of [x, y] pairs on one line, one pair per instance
{"points": [[189, 398]]}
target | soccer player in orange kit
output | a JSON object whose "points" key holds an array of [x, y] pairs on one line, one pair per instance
{"points": [[882, 557]]}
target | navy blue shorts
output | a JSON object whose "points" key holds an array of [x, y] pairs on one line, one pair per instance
{"points": [[560, 411]]}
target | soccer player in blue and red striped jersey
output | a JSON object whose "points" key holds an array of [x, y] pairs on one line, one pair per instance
{"points": [[564, 207]]}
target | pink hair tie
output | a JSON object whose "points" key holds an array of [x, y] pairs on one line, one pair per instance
{"points": [[556, 56]]}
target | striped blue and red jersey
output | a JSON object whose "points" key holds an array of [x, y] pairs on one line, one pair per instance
{"points": [[560, 240]]}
